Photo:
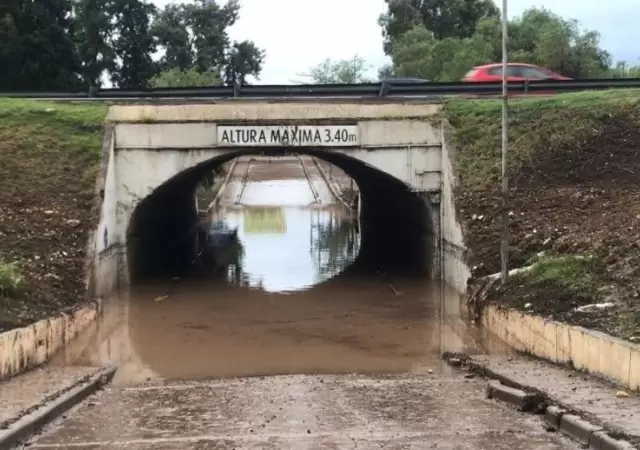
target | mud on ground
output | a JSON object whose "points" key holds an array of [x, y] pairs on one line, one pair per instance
{"points": [[575, 192], [49, 157]]}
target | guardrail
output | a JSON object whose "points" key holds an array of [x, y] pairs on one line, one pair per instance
{"points": [[365, 90]]}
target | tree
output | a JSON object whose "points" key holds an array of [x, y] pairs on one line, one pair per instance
{"points": [[242, 59], [171, 32], [195, 35], [419, 54], [625, 70], [537, 37], [92, 34], [36, 48], [443, 18], [386, 71], [185, 78], [134, 44], [345, 71]]}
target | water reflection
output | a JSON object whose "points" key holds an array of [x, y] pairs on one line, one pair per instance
{"points": [[276, 302], [186, 329], [334, 244], [288, 248]]}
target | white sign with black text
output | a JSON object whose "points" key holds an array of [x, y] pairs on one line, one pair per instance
{"points": [[288, 136]]}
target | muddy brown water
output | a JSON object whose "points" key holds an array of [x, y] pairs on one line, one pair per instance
{"points": [[283, 305]]}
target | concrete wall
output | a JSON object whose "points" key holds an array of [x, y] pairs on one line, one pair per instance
{"points": [[409, 150], [108, 248], [154, 143], [455, 270]]}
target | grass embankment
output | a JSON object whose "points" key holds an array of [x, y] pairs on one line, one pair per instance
{"points": [[574, 168], [49, 157]]}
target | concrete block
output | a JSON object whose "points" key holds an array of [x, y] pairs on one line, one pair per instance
{"points": [[592, 351], [634, 369], [602, 441], [24, 348], [516, 397], [260, 110], [552, 416], [577, 428]]}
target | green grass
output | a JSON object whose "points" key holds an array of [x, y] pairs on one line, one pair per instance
{"points": [[48, 142], [536, 126], [10, 279], [576, 273]]}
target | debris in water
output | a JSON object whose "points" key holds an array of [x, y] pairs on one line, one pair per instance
{"points": [[162, 297], [394, 290], [587, 308]]}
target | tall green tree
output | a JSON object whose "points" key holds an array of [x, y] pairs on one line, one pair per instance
{"points": [[171, 32], [36, 48], [92, 33], [443, 18], [537, 37], [242, 59], [133, 44], [195, 35], [344, 71]]}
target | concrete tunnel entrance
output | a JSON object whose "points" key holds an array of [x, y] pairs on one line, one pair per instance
{"points": [[397, 233]]}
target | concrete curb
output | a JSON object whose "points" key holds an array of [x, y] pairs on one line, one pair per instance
{"points": [[529, 400], [524, 401], [329, 183], [598, 353], [30, 423], [223, 186], [24, 348]]}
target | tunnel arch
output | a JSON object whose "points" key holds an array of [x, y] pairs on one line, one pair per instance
{"points": [[396, 222]]}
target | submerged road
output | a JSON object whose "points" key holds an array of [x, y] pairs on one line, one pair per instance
{"points": [[291, 354]]}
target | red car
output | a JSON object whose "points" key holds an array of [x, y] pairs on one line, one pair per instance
{"points": [[515, 72]]}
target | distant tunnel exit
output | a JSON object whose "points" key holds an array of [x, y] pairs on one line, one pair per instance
{"points": [[396, 223]]}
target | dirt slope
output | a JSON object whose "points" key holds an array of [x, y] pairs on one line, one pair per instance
{"points": [[575, 203], [49, 155]]}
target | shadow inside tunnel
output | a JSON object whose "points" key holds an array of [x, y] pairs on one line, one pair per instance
{"points": [[396, 224]]}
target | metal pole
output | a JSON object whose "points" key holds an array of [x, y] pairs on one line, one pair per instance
{"points": [[504, 244]]}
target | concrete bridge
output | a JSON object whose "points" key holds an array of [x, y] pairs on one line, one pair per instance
{"points": [[155, 155]]}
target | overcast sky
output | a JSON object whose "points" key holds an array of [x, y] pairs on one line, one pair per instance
{"points": [[298, 34]]}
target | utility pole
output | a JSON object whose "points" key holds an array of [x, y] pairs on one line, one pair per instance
{"points": [[504, 244]]}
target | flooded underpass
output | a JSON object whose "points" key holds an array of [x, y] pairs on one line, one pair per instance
{"points": [[287, 297], [287, 340]]}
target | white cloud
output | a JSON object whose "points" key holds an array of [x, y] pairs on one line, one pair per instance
{"points": [[298, 34]]}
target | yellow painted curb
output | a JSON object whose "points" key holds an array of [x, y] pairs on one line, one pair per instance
{"points": [[594, 352], [24, 348]]}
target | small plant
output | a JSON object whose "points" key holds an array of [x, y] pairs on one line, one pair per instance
{"points": [[575, 272], [10, 279]]}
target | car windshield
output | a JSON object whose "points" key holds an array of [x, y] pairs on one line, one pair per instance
{"points": [[538, 73]]}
